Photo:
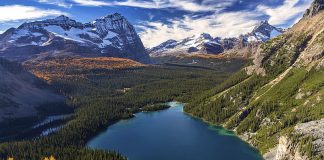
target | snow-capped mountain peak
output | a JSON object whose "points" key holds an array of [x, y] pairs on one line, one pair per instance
{"points": [[263, 32], [164, 46], [205, 43], [197, 40], [62, 21], [62, 18], [115, 16], [111, 35], [203, 36], [262, 24], [201, 43], [115, 23]]}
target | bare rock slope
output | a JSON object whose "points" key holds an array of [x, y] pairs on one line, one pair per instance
{"points": [[21, 93]]}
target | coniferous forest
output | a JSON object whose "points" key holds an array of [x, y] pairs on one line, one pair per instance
{"points": [[100, 97], [75, 72]]}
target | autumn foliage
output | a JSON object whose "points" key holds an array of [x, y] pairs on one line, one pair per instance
{"points": [[72, 66]]}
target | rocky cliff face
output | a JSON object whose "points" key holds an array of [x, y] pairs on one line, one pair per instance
{"points": [[263, 32], [315, 129], [285, 150], [316, 7], [111, 35]]}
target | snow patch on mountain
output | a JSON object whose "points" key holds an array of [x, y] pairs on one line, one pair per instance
{"points": [[111, 35], [263, 32], [205, 43]]}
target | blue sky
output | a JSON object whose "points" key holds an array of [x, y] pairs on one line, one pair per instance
{"points": [[159, 20]]}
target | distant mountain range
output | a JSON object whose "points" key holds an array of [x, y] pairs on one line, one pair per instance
{"points": [[111, 36], [205, 43]]}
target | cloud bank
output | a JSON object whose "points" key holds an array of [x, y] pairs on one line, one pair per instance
{"points": [[218, 22], [289, 10], [221, 24], [60, 3], [186, 5], [20, 12], [230, 24]]}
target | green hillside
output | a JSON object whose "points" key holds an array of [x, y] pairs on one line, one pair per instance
{"points": [[284, 87]]}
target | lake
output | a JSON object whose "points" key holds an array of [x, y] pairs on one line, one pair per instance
{"points": [[172, 135]]}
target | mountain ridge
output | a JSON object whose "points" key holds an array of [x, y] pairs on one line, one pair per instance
{"points": [[205, 43], [111, 36], [315, 8]]}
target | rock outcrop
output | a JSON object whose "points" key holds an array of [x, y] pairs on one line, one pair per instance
{"points": [[315, 8], [316, 130], [285, 150]]}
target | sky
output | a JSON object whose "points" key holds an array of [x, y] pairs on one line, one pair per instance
{"points": [[159, 20]]}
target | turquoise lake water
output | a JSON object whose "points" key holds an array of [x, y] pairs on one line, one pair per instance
{"points": [[172, 135]]}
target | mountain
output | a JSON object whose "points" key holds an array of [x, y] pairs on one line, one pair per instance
{"points": [[245, 46], [205, 43], [316, 7], [263, 32], [111, 36], [21, 93], [276, 104]]}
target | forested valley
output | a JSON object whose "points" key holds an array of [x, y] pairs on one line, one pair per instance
{"points": [[100, 97]]}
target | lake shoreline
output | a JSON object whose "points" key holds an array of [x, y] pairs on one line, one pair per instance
{"points": [[113, 125], [217, 125]]}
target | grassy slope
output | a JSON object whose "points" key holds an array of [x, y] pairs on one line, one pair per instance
{"points": [[271, 105]]}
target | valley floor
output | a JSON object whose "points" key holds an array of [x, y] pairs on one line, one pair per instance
{"points": [[100, 96]]}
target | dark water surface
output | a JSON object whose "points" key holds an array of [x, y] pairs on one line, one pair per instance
{"points": [[172, 135]]}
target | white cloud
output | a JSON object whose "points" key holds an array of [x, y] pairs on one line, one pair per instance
{"points": [[221, 24], [190, 5], [60, 3], [187, 5], [91, 3], [230, 24], [19, 12], [281, 14]]}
